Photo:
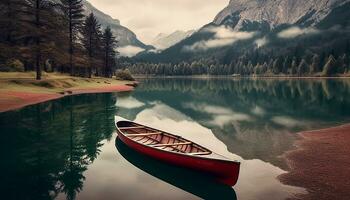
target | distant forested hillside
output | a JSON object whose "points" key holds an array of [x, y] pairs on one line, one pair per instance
{"points": [[254, 37]]}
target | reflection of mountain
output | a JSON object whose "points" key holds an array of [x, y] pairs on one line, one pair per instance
{"points": [[254, 118], [47, 152], [198, 184]]}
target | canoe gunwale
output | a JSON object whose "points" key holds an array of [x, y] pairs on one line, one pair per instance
{"points": [[212, 156]]}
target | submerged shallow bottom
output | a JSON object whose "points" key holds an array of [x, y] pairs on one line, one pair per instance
{"points": [[321, 164]]}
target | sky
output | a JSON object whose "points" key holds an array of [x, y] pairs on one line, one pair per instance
{"points": [[148, 18]]}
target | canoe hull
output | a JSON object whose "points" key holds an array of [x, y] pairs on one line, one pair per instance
{"points": [[223, 171]]}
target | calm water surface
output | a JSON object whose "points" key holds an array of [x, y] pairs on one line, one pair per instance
{"points": [[67, 148]]}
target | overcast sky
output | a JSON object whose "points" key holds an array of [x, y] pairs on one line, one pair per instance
{"points": [[148, 18]]}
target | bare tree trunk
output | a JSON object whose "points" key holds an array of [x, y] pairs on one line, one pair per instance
{"points": [[71, 43], [38, 52]]}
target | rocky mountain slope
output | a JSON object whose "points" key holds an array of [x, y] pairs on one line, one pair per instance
{"points": [[276, 12], [124, 36], [163, 41], [266, 28]]}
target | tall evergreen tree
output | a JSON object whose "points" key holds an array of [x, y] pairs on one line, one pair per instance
{"points": [[10, 19], [10, 27], [91, 40], [330, 66], [38, 30], [109, 44], [294, 67], [303, 68], [315, 65], [277, 66], [73, 10]]}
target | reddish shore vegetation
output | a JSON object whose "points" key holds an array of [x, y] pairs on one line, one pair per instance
{"points": [[321, 164], [12, 100]]}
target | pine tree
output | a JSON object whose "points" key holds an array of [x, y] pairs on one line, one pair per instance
{"points": [[277, 66], [315, 65], [341, 64], [38, 17], [303, 68], [91, 40], [294, 67], [11, 11], [73, 10], [329, 67], [109, 44], [10, 27], [286, 64]]}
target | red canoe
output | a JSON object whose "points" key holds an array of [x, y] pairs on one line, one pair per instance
{"points": [[176, 150]]}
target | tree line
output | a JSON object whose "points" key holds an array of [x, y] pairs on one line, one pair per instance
{"points": [[308, 65], [54, 36]]}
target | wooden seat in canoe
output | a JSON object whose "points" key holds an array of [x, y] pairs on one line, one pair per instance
{"points": [[171, 144], [143, 134]]}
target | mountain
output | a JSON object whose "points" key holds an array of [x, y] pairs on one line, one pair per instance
{"points": [[125, 37], [164, 41], [257, 31], [240, 13]]}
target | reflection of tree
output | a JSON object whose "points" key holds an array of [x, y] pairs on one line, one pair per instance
{"points": [[72, 177], [47, 154], [297, 97]]}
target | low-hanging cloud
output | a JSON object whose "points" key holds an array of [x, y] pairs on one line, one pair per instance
{"points": [[223, 36], [261, 42], [129, 50], [295, 31]]}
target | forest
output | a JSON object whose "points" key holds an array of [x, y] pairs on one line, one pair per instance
{"points": [[46, 35], [55, 35], [254, 63]]}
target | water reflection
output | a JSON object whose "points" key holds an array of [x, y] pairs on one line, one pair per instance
{"points": [[190, 181], [65, 149], [46, 148], [254, 118], [163, 117]]}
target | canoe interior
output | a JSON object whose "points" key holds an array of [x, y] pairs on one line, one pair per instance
{"points": [[159, 139]]}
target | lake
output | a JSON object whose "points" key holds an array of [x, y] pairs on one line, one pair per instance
{"points": [[67, 148]]}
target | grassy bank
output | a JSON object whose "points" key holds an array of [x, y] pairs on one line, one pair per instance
{"points": [[18, 89], [51, 82]]}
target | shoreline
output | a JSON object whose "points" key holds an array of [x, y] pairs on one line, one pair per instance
{"points": [[28, 98], [241, 77], [19, 89], [320, 163]]}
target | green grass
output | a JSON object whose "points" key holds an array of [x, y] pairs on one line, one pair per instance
{"points": [[51, 82]]}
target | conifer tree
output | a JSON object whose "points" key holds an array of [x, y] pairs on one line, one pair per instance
{"points": [[73, 10], [10, 28], [329, 67], [277, 66], [91, 40], [109, 45], [294, 67], [38, 31], [315, 65], [303, 68]]}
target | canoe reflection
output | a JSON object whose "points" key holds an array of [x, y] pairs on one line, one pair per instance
{"points": [[188, 180]]}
